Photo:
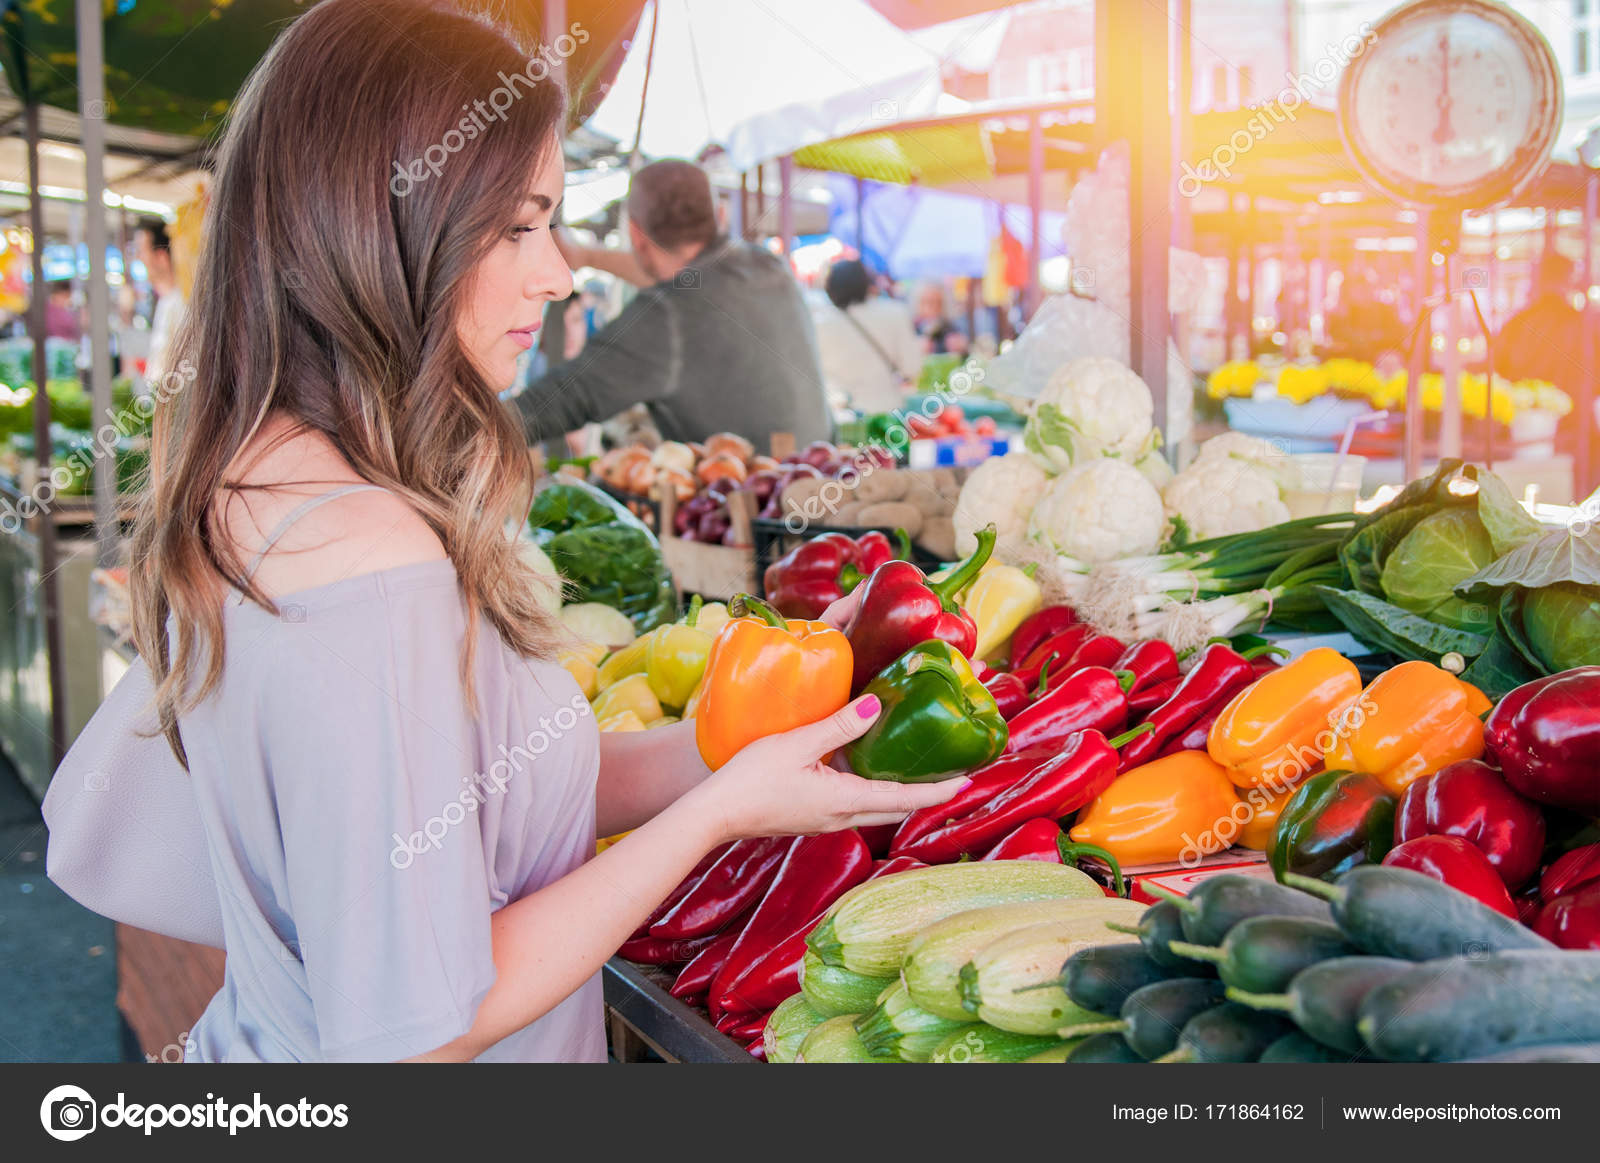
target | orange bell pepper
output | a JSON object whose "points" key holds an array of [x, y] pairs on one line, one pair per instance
{"points": [[1263, 822], [1274, 731], [1411, 721], [1166, 810], [764, 676]]}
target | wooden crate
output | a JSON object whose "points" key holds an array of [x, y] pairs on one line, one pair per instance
{"points": [[716, 572]]}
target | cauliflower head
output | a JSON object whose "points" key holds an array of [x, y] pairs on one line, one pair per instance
{"points": [[1002, 489], [1263, 454], [1221, 495], [1099, 511], [1092, 406]]}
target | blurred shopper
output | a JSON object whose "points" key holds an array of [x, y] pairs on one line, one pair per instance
{"points": [[60, 319], [153, 247], [940, 333], [870, 350], [1364, 325], [1544, 340], [718, 339]]}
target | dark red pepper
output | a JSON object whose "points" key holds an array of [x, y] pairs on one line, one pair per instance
{"points": [[649, 950], [758, 1048], [988, 781], [1038, 626], [1458, 863], [1092, 699], [1053, 649], [731, 886], [1572, 920], [1193, 739], [1546, 737], [695, 978], [1085, 768], [1570, 872], [1096, 650], [1151, 697], [1150, 662], [816, 871], [743, 1027], [1217, 677], [677, 894], [1043, 839], [1472, 800], [878, 837], [900, 608], [815, 574], [1010, 695]]}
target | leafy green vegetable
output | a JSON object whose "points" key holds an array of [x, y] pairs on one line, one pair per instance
{"points": [[605, 552], [1383, 626], [1559, 556], [1441, 550], [1050, 436], [1562, 624], [1548, 594], [1506, 521], [1370, 541], [1500, 669]]}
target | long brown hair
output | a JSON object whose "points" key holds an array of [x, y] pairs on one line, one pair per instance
{"points": [[328, 291]]}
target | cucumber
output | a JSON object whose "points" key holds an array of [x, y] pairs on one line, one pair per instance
{"points": [[980, 1043], [1301, 1047], [1325, 999], [1153, 1017], [933, 960], [1263, 954], [833, 991], [1014, 982], [1227, 1033], [1163, 922], [1557, 1052], [868, 928], [787, 1028], [1466, 1007], [1394, 912], [1101, 979], [898, 1028], [836, 1040], [1218, 904], [1102, 1048]]}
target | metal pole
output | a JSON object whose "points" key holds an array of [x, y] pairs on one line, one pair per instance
{"points": [[91, 109], [741, 213], [1035, 211], [1421, 344], [761, 199], [786, 204], [44, 522], [861, 216]]}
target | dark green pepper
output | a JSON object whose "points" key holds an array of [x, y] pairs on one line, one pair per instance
{"points": [[938, 720], [1333, 822]]}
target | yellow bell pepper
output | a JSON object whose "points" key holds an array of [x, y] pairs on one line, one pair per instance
{"points": [[998, 602], [602, 845], [1163, 811], [675, 657], [713, 617], [583, 672], [1263, 822], [1411, 721], [630, 694], [622, 663], [621, 721], [591, 652], [1275, 730]]}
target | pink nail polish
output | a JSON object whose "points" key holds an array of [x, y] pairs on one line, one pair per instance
{"points": [[868, 707], [963, 785]]}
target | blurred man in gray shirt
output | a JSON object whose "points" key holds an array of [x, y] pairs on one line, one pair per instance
{"points": [[718, 339]]}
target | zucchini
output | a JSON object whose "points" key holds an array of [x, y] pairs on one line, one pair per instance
{"points": [[1558, 1052], [1468, 1007], [1227, 1033], [1163, 922], [1263, 954], [933, 960], [1100, 980], [787, 1028], [1057, 1053], [1153, 1017], [836, 1040], [1302, 1047], [1395, 912], [1325, 999], [980, 1043], [1014, 982], [868, 928], [898, 1028], [1102, 1048], [1218, 904], [833, 991]]}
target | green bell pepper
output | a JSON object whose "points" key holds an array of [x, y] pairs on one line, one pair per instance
{"points": [[938, 720], [1333, 822]]}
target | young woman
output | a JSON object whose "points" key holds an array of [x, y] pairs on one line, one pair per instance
{"points": [[396, 793]]}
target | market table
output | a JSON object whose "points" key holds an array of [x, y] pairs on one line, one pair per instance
{"points": [[640, 1013]]}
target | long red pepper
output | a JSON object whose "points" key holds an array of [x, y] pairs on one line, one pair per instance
{"points": [[1092, 699], [878, 837], [731, 886], [1194, 738], [1085, 768], [1142, 702], [1150, 662], [695, 978], [1043, 839], [743, 1027], [677, 894], [649, 950], [758, 1048], [1037, 627], [776, 974], [1057, 646], [816, 872], [1216, 678], [1009, 691], [1096, 650], [988, 781]]}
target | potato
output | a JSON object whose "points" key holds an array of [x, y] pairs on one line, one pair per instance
{"points": [[882, 484], [845, 515], [892, 515], [928, 502], [800, 498], [939, 538]]}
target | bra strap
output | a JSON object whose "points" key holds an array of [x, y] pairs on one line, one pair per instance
{"points": [[300, 511]]}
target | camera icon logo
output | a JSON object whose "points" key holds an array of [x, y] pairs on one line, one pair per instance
{"points": [[687, 279], [68, 1113], [96, 781], [1474, 278], [294, 613], [1475, 950], [885, 110]]}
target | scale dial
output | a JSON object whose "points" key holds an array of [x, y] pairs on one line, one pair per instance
{"points": [[1451, 103]]}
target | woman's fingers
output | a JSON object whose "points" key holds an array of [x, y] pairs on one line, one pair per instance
{"points": [[816, 740], [839, 613], [876, 795]]}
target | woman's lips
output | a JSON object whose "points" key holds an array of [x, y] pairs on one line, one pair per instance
{"points": [[524, 336]]}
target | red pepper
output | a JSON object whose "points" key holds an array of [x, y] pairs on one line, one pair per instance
{"points": [[816, 872], [1038, 626], [758, 1048], [817, 573], [1043, 839], [649, 950], [776, 974], [1472, 800], [1455, 862], [1092, 699], [743, 1027], [695, 978], [1546, 737], [732, 885], [1057, 647], [1150, 662], [677, 894], [1085, 768], [1217, 677], [1528, 906], [900, 608], [1010, 695], [1194, 739], [1570, 872], [878, 837], [988, 781], [1144, 701], [1096, 650], [1572, 921]]}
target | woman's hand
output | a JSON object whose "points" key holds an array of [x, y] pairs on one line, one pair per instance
{"points": [[838, 614], [782, 785]]}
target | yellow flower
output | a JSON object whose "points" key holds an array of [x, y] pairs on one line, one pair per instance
{"points": [[1237, 377], [1299, 384]]}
